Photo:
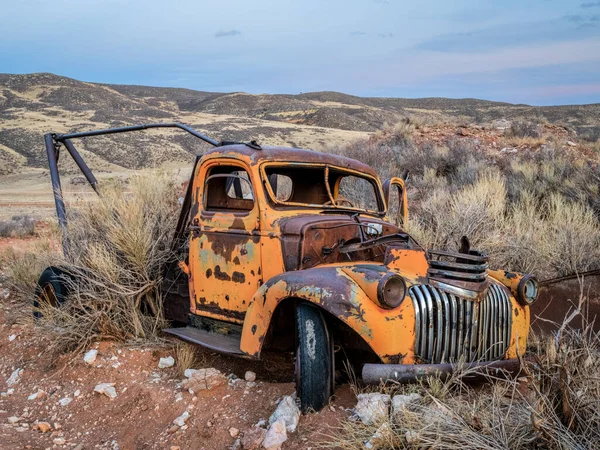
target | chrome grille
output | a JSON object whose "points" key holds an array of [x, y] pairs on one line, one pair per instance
{"points": [[449, 327]]}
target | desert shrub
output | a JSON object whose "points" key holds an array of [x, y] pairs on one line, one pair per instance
{"points": [[21, 269], [555, 404], [524, 129], [18, 226], [120, 245]]}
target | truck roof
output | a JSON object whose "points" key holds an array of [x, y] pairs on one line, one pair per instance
{"points": [[286, 154]]}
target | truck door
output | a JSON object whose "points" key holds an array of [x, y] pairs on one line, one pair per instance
{"points": [[224, 257]]}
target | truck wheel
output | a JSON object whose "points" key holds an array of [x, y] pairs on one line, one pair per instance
{"points": [[51, 289], [314, 359]]}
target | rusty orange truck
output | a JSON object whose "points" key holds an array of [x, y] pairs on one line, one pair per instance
{"points": [[297, 250]]}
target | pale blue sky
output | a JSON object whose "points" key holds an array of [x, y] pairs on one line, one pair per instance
{"points": [[522, 51]]}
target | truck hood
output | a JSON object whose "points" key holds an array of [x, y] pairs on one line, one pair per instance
{"points": [[313, 239]]}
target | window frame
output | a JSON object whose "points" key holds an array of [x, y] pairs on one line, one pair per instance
{"points": [[327, 167], [207, 178]]}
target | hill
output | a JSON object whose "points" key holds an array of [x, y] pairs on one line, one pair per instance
{"points": [[33, 104]]}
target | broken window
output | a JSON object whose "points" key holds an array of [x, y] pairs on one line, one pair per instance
{"points": [[228, 188]]}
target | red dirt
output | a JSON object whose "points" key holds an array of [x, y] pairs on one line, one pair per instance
{"points": [[147, 403]]}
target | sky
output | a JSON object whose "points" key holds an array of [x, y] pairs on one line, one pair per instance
{"points": [[540, 52]]}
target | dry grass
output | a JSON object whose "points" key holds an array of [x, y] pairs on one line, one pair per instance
{"points": [[554, 405], [18, 227], [119, 248]]}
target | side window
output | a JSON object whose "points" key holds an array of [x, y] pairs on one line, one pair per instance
{"points": [[228, 188]]}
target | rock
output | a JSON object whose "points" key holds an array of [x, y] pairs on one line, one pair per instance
{"points": [[90, 356], [65, 401], [253, 438], [182, 419], [461, 131], [78, 180], [508, 150], [14, 377], [12, 337], [250, 376], [381, 438], [165, 363], [13, 419], [401, 402], [237, 445], [203, 379], [372, 408], [412, 437], [174, 447], [77, 393], [44, 427], [288, 411], [502, 124], [234, 432], [571, 144], [59, 441], [107, 389], [37, 395], [275, 436]]}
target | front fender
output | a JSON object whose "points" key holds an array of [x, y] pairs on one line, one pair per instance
{"points": [[389, 333]]}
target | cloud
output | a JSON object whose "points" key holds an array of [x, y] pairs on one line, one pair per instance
{"points": [[222, 33], [590, 5], [385, 35], [358, 33], [584, 26]]}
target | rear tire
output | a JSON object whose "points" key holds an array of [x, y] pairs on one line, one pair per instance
{"points": [[52, 288], [314, 359]]}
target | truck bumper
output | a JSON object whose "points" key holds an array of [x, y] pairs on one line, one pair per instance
{"points": [[405, 373]]}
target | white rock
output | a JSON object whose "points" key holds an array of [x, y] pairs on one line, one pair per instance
{"points": [[13, 419], [77, 393], [36, 395], [107, 389], [182, 419], [400, 402], [250, 376], [288, 412], [276, 435], [12, 337], [508, 150], [5, 293], [65, 401], [372, 408], [189, 373], [571, 144], [234, 432], [14, 377], [90, 356], [165, 363], [59, 441]]}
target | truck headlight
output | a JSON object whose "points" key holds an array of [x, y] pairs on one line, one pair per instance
{"points": [[391, 291], [527, 291]]}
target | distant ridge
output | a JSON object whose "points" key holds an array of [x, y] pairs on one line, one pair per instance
{"points": [[33, 104]]}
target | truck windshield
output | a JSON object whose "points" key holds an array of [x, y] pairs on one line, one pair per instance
{"points": [[323, 187]]}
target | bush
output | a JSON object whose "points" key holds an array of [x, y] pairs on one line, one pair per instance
{"points": [[120, 245], [18, 226], [524, 129]]}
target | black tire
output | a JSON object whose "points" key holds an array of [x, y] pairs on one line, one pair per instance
{"points": [[314, 359], [52, 287]]}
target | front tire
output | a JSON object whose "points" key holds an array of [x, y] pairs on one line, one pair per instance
{"points": [[314, 359]]}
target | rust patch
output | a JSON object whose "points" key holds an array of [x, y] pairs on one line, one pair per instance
{"points": [[208, 272], [223, 276], [238, 277], [236, 261]]}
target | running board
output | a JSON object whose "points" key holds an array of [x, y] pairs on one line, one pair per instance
{"points": [[222, 343]]}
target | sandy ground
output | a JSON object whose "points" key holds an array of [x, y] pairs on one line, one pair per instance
{"points": [[148, 398]]}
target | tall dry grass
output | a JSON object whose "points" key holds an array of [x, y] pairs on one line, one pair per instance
{"points": [[120, 245]]}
